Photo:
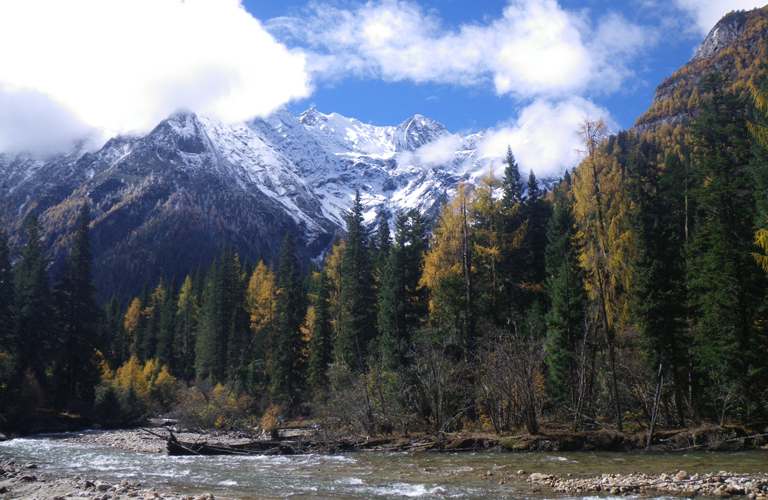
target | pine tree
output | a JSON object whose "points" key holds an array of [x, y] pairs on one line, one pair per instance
{"points": [[77, 366], [538, 212], [210, 345], [726, 288], [659, 290], [383, 244], [188, 314], [167, 329], [321, 346], [35, 315], [402, 300], [290, 308], [565, 317], [358, 293], [512, 184], [238, 324], [113, 334], [7, 297], [513, 258]]}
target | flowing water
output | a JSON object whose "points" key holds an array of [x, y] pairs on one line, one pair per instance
{"points": [[356, 475]]}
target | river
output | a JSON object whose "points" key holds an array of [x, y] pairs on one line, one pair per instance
{"points": [[356, 475]]}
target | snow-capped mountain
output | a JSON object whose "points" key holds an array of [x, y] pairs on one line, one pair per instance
{"points": [[167, 201]]}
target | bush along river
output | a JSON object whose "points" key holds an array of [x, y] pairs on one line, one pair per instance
{"points": [[106, 466]]}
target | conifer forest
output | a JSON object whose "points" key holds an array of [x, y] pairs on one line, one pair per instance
{"points": [[631, 293]]}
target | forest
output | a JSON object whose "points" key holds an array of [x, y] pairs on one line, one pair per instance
{"points": [[630, 295]]}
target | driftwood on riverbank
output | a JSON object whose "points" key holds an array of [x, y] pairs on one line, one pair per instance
{"points": [[667, 441]]}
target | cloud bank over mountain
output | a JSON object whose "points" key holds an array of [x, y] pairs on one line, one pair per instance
{"points": [[123, 65]]}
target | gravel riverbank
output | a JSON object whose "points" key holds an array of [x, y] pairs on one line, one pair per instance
{"points": [[27, 481], [155, 442], [720, 484]]}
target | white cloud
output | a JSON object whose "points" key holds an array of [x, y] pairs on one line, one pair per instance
{"points": [[438, 152], [30, 121], [123, 65], [536, 48], [543, 137], [706, 13]]}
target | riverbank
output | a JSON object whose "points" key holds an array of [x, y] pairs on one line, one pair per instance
{"points": [[721, 484], [365, 475], [298, 440], [27, 481]]}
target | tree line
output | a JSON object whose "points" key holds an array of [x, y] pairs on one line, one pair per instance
{"points": [[629, 295]]}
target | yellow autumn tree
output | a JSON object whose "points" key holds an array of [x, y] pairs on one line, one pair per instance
{"points": [[332, 268], [132, 321], [601, 209], [261, 298], [261, 301], [448, 272]]}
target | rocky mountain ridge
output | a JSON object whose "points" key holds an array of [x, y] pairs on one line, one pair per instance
{"points": [[168, 201], [735, 45]]}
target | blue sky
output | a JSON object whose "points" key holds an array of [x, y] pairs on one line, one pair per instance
{"points": [[525, 70]]}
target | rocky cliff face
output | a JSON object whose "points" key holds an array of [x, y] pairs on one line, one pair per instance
{"points": [[729, 29], [735, 46]]}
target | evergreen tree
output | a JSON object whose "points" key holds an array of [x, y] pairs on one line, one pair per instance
{"points": [[211, 342], [512, 184], [383, 243], [113, 334], [358, 294], [7, 297], [151, 313], [238, 319], [188, 313], [77, 366], [538, 212], [565, 288], [141, 333], [402, 301], [727, 289], [659, 289], [321, 346], [35, 315], [290, 310], [167, 328], [513, 258]]}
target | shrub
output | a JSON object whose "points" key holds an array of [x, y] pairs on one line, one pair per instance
{"points": [[214, 409]]}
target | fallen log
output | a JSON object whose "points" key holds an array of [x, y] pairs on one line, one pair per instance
{"points": [[178, 448]]}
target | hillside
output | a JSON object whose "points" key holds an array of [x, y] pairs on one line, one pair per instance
{"points": [[735, 46]]}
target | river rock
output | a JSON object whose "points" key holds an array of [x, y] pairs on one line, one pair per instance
{"points": [[539, 477], [682, 476]]}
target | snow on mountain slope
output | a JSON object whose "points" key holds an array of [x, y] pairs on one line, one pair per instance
{"points": [[311, 165], [413, 165]]}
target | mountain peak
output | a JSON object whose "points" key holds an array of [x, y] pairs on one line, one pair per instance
{"points": [[722, 35], [417, 131], [183, 131]]}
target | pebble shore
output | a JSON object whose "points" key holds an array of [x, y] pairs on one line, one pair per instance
{"points": [[144, 442], [721, 484], [28, 482]]}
